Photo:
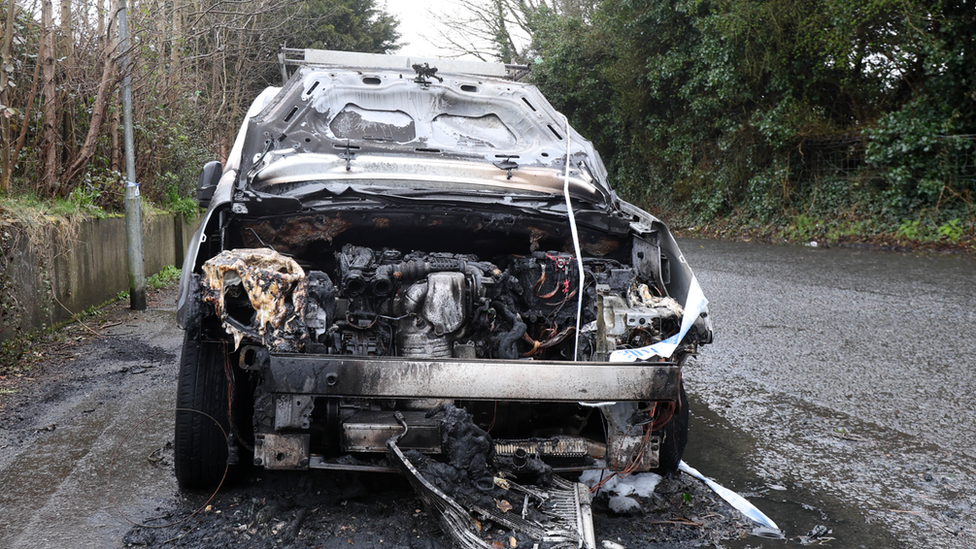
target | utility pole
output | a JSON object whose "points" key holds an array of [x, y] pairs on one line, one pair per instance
{"points": [[133, 204]]}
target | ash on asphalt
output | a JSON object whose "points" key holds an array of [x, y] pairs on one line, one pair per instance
{"points": [[325, 509], [331, 509]]}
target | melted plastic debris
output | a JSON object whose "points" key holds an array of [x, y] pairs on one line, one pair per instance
{"points": [[640, 296], [274, 287], [475, 484], [622, 490], [623, 505], [466, 476], [640, 484]]}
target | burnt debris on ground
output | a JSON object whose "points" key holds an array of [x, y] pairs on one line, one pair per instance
{"points": [[308, 510], [477, 499], [322, 509], [326, 509], [681, 512]]}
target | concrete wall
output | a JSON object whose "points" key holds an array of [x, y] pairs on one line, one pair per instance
{"points": [[48, 278]]}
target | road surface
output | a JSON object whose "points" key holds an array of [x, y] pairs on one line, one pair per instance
{"points": [[837, 397]]}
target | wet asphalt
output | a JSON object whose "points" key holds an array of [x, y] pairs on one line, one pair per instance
{"points": [[83, 445], [837, 396], [839, 392]]}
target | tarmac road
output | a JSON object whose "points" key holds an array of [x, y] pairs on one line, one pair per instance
{"points": [[850, 375], [59, 433], [837, 397]]}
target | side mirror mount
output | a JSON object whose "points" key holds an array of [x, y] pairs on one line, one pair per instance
{"points": [[207, 184]]}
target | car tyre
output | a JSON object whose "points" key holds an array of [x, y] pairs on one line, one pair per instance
{"points": [[674, 436], [200, 447]]}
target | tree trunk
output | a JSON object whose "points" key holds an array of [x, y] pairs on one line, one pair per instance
{"points": [[105, 86], [67, 30], [175, 51], [100, 7], [27, 111], [48, 185], [6, 161], [69, 76]]}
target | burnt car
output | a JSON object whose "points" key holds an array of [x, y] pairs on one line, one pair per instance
{"points": [[389, 236]]}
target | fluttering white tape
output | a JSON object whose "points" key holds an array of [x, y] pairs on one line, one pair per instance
{"points": [[695, 303], [734, 499], [576, 244]]}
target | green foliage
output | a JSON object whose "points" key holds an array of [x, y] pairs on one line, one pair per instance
{"points": [[175, 159], [184, 205], [925, 230], [29, 209], [96, 195], [837, 230], [803, 227], [908, 230], [85, 198], [951, 231], [758, 109], [163, 278], [175, 198], [574, 74], [347, 25]]}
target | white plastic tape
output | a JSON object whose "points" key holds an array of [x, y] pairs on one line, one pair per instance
{"points": [[694, 305]]}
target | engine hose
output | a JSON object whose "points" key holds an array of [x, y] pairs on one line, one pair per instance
{"points": [[507, 341]]}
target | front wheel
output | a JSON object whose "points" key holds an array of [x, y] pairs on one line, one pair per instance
{"points": [[674, 436], [200, 446]]}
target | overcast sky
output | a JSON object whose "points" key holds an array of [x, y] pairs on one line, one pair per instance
{"points": [[416, 21]]}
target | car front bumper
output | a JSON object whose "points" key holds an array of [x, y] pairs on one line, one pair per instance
{"points": [[471, 379]]}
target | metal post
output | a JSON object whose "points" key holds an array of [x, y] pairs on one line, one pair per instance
{"points": [[133, 204]]}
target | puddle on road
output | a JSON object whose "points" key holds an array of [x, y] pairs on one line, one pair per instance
{"points": [[55, 494], [722, 452]]}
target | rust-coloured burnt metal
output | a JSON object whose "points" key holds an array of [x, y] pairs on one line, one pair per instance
{"points": [[274, 287], [535, 236], [295, 233], [600, 247]]}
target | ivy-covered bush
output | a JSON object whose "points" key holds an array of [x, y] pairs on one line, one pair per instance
{"points": [[854, 114]]}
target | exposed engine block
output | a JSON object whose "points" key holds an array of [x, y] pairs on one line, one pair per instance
{"points": [[387, 303]]}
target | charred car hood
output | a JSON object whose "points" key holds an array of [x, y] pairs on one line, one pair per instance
{"points": [[358, 126]]}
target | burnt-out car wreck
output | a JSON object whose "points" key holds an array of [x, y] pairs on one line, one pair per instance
{"points": [[386, 240]]}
